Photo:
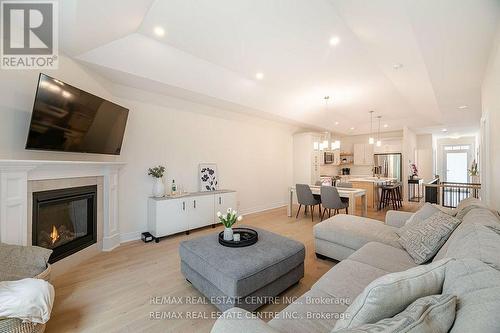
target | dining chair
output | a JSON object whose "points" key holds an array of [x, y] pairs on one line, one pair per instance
{"points": [[306, 198], [330, 199]]}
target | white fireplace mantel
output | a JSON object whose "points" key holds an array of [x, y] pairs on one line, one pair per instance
{"points": [[14, 177]]}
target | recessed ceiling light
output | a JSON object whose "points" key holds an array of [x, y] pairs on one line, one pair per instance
{"points": [[386, 125], [259, 76], [462, 107], [159, 31], [334, 40], [397, 66], [336, 123], [352, 128], [444, 130]]}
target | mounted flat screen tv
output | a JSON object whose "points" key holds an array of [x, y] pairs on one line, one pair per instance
{"points": [[68, 119]]}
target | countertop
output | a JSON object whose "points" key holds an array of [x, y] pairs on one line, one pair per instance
{"points": [[191, 194], [375, 180]]}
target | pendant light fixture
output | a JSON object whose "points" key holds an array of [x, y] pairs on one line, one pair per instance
{"points": [[371, 140], [379, 142]]}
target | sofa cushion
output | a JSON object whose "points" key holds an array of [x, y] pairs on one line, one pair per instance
{"points": [[477, 287], [481, 216], [471, 201], [354, 231], [477, 241], [423, 239], [20, 262], [427, 314], [392, 293], [313, 312], [383, 257], [347, 279]]}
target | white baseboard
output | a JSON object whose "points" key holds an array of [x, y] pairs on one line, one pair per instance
{"points": [[109, 243], [262, 208], [130, 236], [136, 235]]}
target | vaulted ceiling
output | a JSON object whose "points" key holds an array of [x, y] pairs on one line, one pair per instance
{"points": [[417, 63]]}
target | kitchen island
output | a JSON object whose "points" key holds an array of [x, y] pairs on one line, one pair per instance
{"points": [[371, 185]]}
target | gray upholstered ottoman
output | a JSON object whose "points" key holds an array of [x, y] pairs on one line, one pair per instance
{"points": [[246, 277]]}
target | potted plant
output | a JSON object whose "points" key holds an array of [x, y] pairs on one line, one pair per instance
{"points": [[474, 172], [413, 170], [228, 220], [158, 186]]}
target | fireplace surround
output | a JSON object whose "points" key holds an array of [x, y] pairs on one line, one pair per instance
{"points": [[65, 220], [19, 179]]}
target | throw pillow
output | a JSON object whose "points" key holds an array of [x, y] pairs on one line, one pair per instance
{"points": [[477, 287], [426, 211], [392, 293], [30, 300], [19, 262], [423, 239], [434, 313]]}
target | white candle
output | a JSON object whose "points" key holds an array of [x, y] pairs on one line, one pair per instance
{"points": [[236, 237]]}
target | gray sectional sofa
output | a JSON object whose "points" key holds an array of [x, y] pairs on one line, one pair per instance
{"points": [[368, 249]]}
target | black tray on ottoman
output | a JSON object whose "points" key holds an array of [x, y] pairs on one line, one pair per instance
{"points": [[247, 237]]}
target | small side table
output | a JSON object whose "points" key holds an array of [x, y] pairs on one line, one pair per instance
{"points": [[415, 189]]}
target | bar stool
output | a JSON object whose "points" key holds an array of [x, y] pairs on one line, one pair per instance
{"points": [[399, 196], [390, 196]]}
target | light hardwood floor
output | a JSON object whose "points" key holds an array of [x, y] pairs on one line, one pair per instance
{"points": [[113, 291]]}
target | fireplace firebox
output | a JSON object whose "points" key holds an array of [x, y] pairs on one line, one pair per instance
{"points": [[65, 220]]}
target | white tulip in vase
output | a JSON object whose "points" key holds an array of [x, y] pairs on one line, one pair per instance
{"points": [[158, 185], [228, 220]]}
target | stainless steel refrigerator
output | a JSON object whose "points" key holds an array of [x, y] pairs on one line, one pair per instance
{"points": [[389, 165]]}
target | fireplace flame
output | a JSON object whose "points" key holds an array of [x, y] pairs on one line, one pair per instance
{"points": [[54, 235]]}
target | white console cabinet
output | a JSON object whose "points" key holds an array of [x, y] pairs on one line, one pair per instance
{"points": [[168, 216], [222, 202]]}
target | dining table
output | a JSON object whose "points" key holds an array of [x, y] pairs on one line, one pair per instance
{"points": [[344, 192]]}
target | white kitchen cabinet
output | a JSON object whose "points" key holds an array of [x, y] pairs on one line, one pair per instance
{"points": [[363, 154], [168, 216], [391, 146], [222, 202], [369, 154], [359, 154]]}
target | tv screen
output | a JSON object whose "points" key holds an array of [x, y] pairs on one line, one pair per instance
{"points": [[68, 119]]}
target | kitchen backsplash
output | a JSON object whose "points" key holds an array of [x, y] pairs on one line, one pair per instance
{"points": [[333, 170]]}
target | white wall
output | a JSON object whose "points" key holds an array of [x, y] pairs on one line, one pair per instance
{"points": [[425, 157], [17, 92], [409, 156], [490, 134], [254, 156]]}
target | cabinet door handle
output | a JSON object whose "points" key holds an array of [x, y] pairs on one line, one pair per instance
{"points": [[183, 205], [220, 201], [194, 203]]}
